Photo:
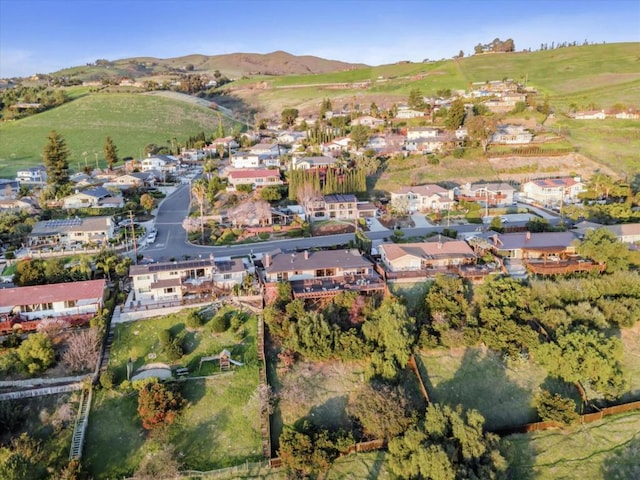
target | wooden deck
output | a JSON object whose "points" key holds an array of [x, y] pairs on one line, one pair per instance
{"points": [[324, 288], [563, 267]]}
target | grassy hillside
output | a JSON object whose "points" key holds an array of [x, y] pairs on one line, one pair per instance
{"points": [[131, 120]]}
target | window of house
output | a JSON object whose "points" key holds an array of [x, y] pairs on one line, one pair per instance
{"points": [[227, 276], [169, 290], [70, 303]]}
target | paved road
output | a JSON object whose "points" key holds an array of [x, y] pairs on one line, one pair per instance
{"points": [[171, 240]]}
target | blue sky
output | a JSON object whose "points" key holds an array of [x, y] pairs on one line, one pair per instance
{"points": [[42, 36]]}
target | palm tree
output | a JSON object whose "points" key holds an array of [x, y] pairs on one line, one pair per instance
{"points": [[199, 190], [106, 264], [83, 268]]}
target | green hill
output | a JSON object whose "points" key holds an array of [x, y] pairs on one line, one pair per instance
{"points": [[131, 120]]}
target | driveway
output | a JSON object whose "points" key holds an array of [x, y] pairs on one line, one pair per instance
{"points": [[420, 221], [376, 226]]}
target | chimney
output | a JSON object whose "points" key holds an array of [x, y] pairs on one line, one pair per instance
{"points": [[528, 236], [306, 254], [267, 260], [495, 239]]}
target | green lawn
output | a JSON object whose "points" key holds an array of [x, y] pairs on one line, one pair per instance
{"points": [[608, 449], [218, 428], [139, 341], [502, 393], [131, 120]]}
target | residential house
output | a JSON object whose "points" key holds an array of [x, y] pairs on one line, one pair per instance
{"points": [[132, 180], [72, 231], [336, 146], [405, 113], [97, 197], [429, 144], [267, 149], [528, 245], [32, 176], [9, 189], [441, 254], [53, 300], [625, 232], [368, 121], [255, 177], [289, 138], [245, 160], [590, 115], [496, 194], [416, 133], [511, 135], [309, 163], [377, 143], [17, 204], [341, 207], [172, 280], [553, 191], [161, 163], [628, 115], [193, 154], [422, 198], [324, 273]]}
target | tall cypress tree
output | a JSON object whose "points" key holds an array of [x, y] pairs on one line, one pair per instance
{"points": [[110, 152], [55, 156]]}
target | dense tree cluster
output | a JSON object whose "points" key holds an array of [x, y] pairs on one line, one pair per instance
{"points": [[496, 46], [448, 444], [332, 181]]}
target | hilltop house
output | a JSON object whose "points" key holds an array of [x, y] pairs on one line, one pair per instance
{"points": [[72, 231], [245, 160], [527, 245], [590, 115], [161, 163], [551, 191], [421, 198], [173, 280], [368, 121], [511, 135], [53, 300]]}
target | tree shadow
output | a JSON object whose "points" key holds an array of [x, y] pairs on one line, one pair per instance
{"points": [[481, 383], [624, 462], [520, 454], [332, 414], [376, 467]]}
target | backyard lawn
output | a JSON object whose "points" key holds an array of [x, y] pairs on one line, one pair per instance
{"points": [[479, 379], [218, 427], [606, 449], [140, 342]]}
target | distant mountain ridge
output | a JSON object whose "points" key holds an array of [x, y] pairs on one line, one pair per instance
{"points": [[231, 64]]}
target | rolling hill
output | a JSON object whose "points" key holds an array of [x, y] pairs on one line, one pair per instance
{"points": [[131, 120], [233, 65], [583, 76]]}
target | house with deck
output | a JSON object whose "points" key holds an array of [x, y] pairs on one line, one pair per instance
{"points": [[32, 176], [322, 273], [494, 194], [440, 254], [72, 231], [553, 191], [309, 163], [256, 177], [53, 300], [168, 281]]}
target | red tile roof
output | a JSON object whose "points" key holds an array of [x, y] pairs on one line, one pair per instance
{"points": [[57, 292]]}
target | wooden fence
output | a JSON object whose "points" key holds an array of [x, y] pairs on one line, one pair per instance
{"points": [[37, 392]]}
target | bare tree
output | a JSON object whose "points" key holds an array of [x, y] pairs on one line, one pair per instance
{"points": [[161, 464], [308, 196], [249, 212], [199, 191], [82, 350]]}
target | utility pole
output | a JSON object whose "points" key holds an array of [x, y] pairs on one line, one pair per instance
{"points": [[133, 238]]}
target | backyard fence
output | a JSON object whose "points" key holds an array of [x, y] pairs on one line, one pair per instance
{"points": [[36, 382], [37, 392]]}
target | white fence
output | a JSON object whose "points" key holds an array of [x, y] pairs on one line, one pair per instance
{"points": [[35, 382], [41, 391]]}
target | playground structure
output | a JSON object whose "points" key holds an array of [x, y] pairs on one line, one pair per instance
{"points": [[223, 358]]}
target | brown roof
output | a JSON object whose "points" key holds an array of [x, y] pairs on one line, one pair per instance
{"points": [[254, 173], [229, 266], [427, 250], [535, 241], [422, 190], [57, 292], [170, 282], [290, 261]]}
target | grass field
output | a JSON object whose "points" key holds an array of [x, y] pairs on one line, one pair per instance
{"points": [[215, 430], [139, 341], [613, 142], [608, 449], [131, 120], [50, 420], [502, 393], [631, 360], [218, 428]]}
